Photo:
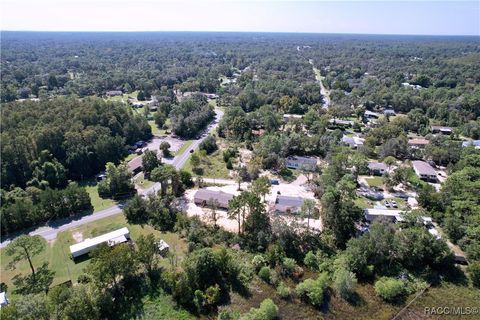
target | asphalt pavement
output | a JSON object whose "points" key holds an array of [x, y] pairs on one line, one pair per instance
{"points": [[51, 231]]}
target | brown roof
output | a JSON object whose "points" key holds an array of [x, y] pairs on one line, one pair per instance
{"points": [[418, 141], [135, 163], [202, 196]]}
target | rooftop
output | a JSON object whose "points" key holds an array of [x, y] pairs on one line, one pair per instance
{"points": [[377, 166], [114, 236], [421, 167]]}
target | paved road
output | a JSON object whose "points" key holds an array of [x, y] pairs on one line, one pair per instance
{"points": [[50, 232], [325, 93]]}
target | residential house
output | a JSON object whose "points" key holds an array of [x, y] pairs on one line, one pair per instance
{"points": [[442, 130], [112, 238], [389, 112], [287, 204], [424, 171], [204, 196], [353, 142], [304, 163], [289, 117], [341, 123], [371, 115], [113, 93], [377, 168], [135, 165], [372, 214], [418, 143], [471, 143]]}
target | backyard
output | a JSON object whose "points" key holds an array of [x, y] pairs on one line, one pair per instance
{"points": [[58, 255]]}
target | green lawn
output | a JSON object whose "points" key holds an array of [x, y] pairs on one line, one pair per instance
{"points": [[98, 203], [142, 182], [213, 166], [125, 96], [57, 251], [183, 148], [375, 181], [363, 202]]}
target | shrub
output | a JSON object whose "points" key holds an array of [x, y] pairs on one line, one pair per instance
{"points": [[288, 266], [344, 282], [390, 289], [284, 291], [258, 261], [310, 260], [267, 311], [474, 272], [264, 274], [312, 290]]}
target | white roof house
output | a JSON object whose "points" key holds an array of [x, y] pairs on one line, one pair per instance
{"points": [[306, 163], [112, 238], [373, 214], [3, 299]]}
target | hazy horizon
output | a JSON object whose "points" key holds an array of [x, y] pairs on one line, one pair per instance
{"points": [[436, 18]]}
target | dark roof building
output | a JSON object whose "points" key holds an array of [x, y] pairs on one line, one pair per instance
{"points": [[442, 129], [286, 204], [203, 196]]}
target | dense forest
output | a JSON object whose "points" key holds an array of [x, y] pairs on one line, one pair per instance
{"points": [[58, 128]]}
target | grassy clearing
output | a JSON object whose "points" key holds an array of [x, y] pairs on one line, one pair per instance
{"points": [[184, 147], [375, 181], [363, 202], [445, 295], [57, 252], [124, 97], [98, 203], [142, 182], [163, 307], [213, 166]]}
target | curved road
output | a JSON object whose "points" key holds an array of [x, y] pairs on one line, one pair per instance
{"points": [[50, 232]]}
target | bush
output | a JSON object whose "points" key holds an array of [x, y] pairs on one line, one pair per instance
{"points": [[258, 261], [288, 266], [310, 260], [264, 274], [267, 311], [390, 289], [284, 291], [312, 290], [344, 282], [474, 272]]}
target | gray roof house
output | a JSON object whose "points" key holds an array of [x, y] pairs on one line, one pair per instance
{"points": [[202, 197], [372, 214], [472, 143], [352, 142], [371, 114], [287, 204], [442, 129], [377, 168], [113, 93], [424, 170], [389, 112], [305, 163]]}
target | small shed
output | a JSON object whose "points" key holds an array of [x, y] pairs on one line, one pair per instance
{"points": [[3, 299], [163, 247]]}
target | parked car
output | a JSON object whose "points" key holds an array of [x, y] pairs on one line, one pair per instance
{"points": [[274, 182], [386, 203], [394, 203]]}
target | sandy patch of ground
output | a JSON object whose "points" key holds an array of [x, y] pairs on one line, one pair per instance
{"points": [[175, 144], [77, 236]]}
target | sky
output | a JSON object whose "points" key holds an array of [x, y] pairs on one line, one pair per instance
{"points": [[371, 17]]}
